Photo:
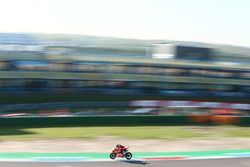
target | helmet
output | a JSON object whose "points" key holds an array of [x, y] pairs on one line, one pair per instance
{"points": [[118, 145]]}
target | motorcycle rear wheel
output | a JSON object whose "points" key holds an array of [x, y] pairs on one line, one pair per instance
{"points": [[112, 155]]}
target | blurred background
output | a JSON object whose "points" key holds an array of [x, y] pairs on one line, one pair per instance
{"points": [[72, 75], [143, 57]]}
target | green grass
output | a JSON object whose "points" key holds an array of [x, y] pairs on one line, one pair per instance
{"points": [[144, 132], [158, 132], [239, 132]]}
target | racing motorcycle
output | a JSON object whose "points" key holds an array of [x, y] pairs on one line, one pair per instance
{"points": [[116, 154]]}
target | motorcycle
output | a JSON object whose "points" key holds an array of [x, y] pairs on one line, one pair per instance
{"points": [[116, 154]]}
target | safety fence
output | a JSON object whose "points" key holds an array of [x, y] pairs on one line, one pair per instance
{"points": [[134, 103], [125, 120]]}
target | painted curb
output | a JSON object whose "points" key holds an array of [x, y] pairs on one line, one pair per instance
{"points": [[143, 156]]}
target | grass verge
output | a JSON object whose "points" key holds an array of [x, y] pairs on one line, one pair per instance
{"points": [[145, 132]]}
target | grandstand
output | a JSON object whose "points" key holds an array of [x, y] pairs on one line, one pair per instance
{"points": [[91, 71]]}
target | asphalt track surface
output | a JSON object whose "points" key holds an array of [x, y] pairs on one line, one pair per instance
{"points": [[227, 162]]}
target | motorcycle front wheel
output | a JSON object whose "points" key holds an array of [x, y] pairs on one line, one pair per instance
{"points": [[128, 155]]}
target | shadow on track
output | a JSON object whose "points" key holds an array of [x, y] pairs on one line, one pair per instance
{"points": [[137, 162]]}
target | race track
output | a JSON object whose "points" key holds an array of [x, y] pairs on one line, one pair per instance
{"points": [[233, 162]]}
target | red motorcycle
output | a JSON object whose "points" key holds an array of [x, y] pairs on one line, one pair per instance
{"points": [[116, 154]]}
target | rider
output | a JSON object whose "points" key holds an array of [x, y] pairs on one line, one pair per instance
{"points": [[120, 148]]}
